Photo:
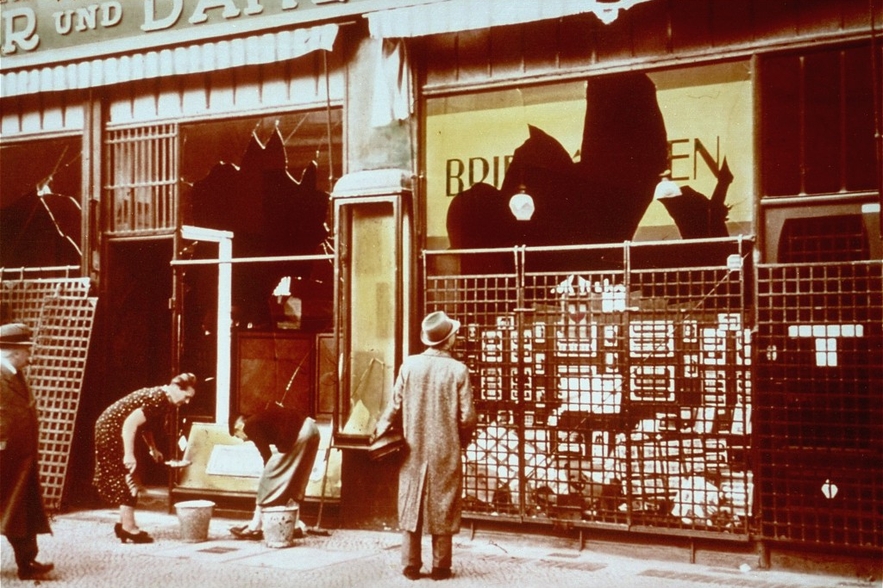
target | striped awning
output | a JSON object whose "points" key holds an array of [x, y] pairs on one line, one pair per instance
{"points": [[449, 16], [181, 60]]}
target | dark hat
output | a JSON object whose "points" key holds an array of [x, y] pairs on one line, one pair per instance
{"points": [[15, 335], [437, 328]]}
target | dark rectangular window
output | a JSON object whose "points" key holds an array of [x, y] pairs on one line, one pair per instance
{"points": [[817, 122]]}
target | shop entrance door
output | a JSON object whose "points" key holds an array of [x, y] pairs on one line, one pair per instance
{"points": [[136, 323]]}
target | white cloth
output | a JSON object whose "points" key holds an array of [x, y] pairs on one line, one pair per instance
{"points": [[392, 84]]}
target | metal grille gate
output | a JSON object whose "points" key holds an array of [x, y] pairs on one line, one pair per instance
{"points": [[60, 312], [819, 402], [613, 386], [141, 167]]}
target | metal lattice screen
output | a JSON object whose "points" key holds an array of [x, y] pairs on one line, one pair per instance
{"points": [[819, 402], [611, 387], [23, 297], [61, 314]]}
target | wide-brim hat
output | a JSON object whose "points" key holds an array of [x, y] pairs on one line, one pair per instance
{"points": [[15, 335], [437, 328]]}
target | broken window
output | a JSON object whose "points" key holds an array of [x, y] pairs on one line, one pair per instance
{"points": [[40, 218], [590, 154]]}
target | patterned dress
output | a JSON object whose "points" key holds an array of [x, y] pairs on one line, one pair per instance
{"points": [[112, 479]]}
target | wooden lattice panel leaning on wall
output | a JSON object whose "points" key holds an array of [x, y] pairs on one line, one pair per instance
{"points": [[23, 298], [58, 364], [61, 314]]}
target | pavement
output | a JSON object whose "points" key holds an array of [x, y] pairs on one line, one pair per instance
{"points": [[86, 553]]}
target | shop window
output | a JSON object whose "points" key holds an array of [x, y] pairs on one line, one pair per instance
{"points": [[304, 137], [817, 122], [590, 154], [267, 181], [40, 198]]}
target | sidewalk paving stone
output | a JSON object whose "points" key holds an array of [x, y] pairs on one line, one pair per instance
{"points": [[87, 554]]}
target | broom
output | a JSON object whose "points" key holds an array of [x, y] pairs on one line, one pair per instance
{"points": [[318, 530]]}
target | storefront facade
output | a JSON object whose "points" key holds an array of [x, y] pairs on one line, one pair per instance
{"points": [[639, 366], [98, 111], [655, 386]]}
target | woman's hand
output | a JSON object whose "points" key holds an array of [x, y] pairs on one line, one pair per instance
{"points": [[156, 455], [130, 462]]}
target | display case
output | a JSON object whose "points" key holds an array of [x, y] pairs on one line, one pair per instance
{"points": [[373, 269]]}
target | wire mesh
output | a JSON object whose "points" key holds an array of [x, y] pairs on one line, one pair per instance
{"points": [[61, 314], [58, 364], [23, 297], [618, 395], [819, 414]]}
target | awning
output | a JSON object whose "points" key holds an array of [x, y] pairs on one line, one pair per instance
{"points": [[185, 59], [449, 16]]}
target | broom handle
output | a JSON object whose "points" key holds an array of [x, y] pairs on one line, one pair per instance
{"points": [[325, 477]]}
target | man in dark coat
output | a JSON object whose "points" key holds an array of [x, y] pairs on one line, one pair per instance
{"points": [[286, 471], [20, 496], [433, 398]]}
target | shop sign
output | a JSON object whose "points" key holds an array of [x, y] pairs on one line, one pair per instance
{"points": [[43, 31]]}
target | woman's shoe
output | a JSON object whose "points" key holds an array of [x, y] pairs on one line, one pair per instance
{"points": [[139, 537], [247, 534]]}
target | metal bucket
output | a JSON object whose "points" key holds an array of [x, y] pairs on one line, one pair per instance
{"points": [[279, 524], [194, 517]]}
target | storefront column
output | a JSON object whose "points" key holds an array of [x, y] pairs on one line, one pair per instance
{"points": [[367, 145], [93, 135]]}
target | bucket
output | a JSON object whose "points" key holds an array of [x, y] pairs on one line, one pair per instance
{"points": [[194, 516], [279, 524]]}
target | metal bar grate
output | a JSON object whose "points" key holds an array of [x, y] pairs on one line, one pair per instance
{"points": [[819, 415], [23, 297], [142, 180], [56, 377], [61, 314], [619, 395]]}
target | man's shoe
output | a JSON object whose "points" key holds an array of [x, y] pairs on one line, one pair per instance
{"points": [[247, 534], [440, 573], [412, 572], [34, 570]]}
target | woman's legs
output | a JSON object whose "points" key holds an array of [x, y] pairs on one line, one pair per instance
{"points": [[256, 524], [127, 518]]}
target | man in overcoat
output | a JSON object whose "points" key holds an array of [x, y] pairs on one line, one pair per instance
{"points": [[433, 397], [20, 496]]}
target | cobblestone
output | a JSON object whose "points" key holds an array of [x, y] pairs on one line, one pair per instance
{"points": [[86, 553]]}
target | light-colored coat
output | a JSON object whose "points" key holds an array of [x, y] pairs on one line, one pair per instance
{"points": [[434, 398]]}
